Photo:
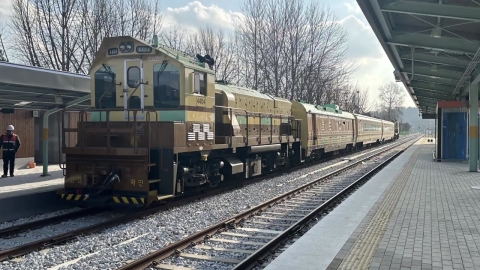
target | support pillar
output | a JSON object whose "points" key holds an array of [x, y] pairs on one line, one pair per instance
{"points": [[45, 139], [473, 128], [45, 129]]}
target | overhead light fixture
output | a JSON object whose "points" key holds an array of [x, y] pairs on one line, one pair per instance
{"points": [[22, 103], [436, 32]]}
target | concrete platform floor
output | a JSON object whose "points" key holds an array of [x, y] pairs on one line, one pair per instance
{"points": [[28, 181], [414, 214]]}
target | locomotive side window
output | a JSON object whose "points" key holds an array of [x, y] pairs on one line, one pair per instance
{"points": [[133, 77], [200, 84], [105, 88], [166, 86]]}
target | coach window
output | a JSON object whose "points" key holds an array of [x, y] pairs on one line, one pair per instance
{"points": [[133, 77], [166, 86], [105, 88], [200, 84]]}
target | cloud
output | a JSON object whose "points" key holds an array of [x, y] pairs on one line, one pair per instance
{"points": [[364, 50], [352, 7], [195, 14], [362, 42], [5, 10], [374, 69]]}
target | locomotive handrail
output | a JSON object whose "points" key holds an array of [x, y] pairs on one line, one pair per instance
{"points": [[83, 119]]}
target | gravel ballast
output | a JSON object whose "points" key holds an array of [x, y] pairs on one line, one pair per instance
{"points": [[158, 230]]}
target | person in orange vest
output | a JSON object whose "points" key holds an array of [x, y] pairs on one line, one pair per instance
{"points": [[10, 143]]}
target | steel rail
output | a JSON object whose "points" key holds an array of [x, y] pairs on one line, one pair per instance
{"points": [[155, 257]]}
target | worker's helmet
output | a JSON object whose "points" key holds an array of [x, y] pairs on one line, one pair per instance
{"points": [[10, 127]]}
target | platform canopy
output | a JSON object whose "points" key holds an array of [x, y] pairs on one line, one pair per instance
{"points": [[434, 46], [33, 88]]}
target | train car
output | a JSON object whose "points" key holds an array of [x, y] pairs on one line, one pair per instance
{"points": [[259, 127], [326, 130], [388, 133], [160, 126], [368, 130], [397, 130]]}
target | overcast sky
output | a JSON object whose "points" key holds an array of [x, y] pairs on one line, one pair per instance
{"points": [[374, 68]]}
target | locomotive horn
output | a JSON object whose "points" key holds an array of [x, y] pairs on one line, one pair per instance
{"points": [[209, 60], [200, 58]]}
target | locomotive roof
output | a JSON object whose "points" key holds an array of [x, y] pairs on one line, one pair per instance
{"points": [[230, 88], [313, 109], [182, 57], [361, 116]]}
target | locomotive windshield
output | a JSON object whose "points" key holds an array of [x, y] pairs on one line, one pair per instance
{"points": [[105, 88], [166, 86]]}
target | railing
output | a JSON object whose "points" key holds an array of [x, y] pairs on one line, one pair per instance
{"points": [[271, 116], [108, 130]]}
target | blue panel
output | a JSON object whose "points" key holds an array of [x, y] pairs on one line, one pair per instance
{"points": [[455, 135]]}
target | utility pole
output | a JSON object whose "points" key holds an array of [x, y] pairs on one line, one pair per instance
{"points": [[358, 101]]}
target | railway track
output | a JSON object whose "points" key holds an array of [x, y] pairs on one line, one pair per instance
{"points": [[250, 238], [47, 235], [13, 231]]}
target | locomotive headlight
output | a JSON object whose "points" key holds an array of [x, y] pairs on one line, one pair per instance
{"points": [[126, 47]]}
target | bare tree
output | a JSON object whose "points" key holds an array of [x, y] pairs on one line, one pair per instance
{"points": [[217, 45], [175, 37], [353, 98], [65, 34], [251, 33], [3, 52], [391, 99], [291, 49]]}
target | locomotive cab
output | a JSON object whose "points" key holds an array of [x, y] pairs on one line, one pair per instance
{"points": [[148, 104]]}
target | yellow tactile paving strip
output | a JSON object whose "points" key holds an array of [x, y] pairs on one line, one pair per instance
{"points": [[363, 249]]}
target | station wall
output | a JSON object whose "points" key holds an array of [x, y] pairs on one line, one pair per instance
{"points": [[23, 121], [30, 130]]}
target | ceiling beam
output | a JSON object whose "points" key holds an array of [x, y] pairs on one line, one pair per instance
{"points": [[432, 86], [439, 81], [433, 10], [434, 96], [439, 73], [425, 100], [432, 59], [442, 44]]}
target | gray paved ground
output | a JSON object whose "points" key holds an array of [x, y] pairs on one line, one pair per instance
{"points": [[435, 223]]}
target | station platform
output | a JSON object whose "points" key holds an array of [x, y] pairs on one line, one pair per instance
{"points": [[29, 194], [28, 181], [414, 214]]}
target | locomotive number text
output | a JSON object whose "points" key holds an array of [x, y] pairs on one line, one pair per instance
{"points": [[201, 101]]}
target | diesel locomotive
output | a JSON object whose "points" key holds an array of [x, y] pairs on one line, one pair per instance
{"points": [[160, 125]]}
